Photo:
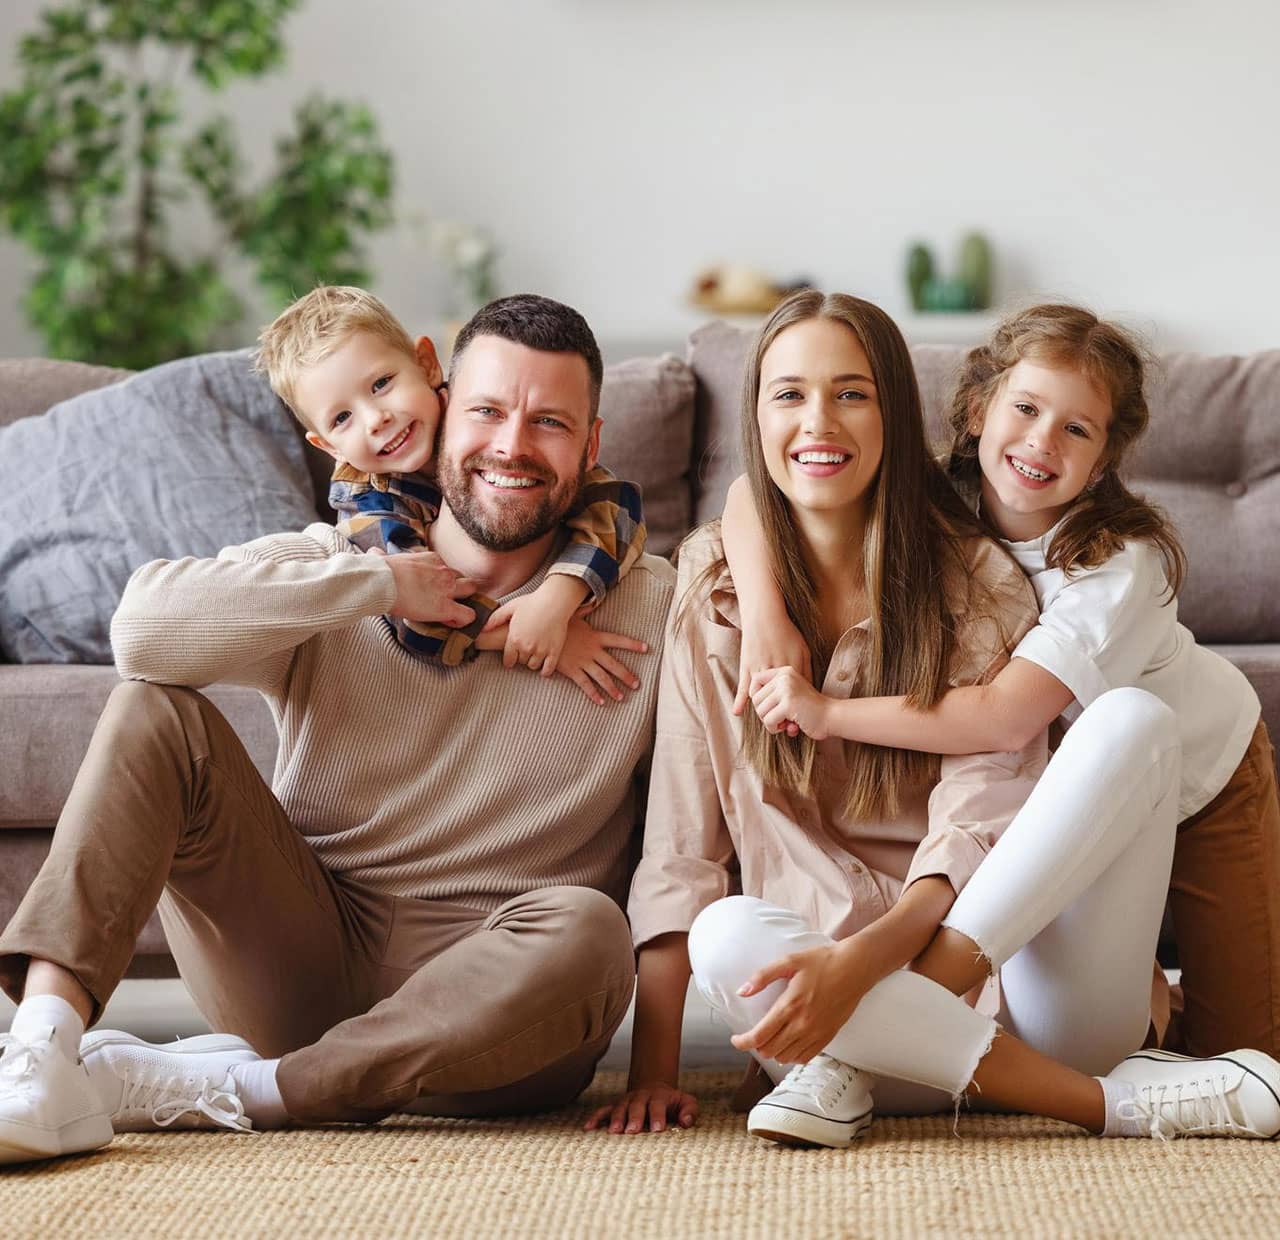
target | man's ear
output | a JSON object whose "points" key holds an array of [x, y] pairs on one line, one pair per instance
{"points": [[427, 359], [593, 443], [323, 444]]}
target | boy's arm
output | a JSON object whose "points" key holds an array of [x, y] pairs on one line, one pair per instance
{"points": [[769, 639]]}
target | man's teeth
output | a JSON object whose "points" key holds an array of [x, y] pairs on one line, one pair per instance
{"points": [[1037, 475], [821, 458], [396, 442], [506, 480]]}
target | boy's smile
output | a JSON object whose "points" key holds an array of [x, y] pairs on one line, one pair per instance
{"points": [[371, 405]]}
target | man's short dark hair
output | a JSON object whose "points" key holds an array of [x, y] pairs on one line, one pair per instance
{"points": [[537, 323]]}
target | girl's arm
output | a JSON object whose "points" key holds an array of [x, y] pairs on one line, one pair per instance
{"points": [[769, 639], [653, 1098], [1001, 716], [826, 984]]}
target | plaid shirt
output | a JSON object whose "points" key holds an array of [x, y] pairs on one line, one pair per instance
{"points": [[391, 512]]}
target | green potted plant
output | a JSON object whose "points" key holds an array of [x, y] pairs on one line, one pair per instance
{"points": [[95, 162]]}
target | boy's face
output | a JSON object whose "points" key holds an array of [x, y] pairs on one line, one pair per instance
{"points": [[371, 405]]}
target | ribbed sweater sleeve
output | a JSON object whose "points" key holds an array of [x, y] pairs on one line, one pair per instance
{"points": [[239, 617]]}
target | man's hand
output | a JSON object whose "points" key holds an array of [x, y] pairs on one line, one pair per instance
{"points": [[824, 985], [538, 623], [426, 588], [654, 1107], [586, 660], [782, 696], [769, 643]]}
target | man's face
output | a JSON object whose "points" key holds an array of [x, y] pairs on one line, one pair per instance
{"points": [[517, 439]]}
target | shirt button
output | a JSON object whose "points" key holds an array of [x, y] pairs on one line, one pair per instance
{"points": [[842, 675]]}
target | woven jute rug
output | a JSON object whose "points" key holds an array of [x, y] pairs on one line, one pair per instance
{"points": [[544, 1176]]}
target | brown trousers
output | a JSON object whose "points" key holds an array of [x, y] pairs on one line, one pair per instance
{"points": [[1225, 900], [372, 1000]]}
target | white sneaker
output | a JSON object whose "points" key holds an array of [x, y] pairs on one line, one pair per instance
{"points": [[186, 1084], [822, 1102], [1231, 1095], [48, 1105]]}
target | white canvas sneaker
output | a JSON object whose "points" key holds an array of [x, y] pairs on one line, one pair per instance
{"points": [[48, 1105], [1231, 1095], [822, 1102], [185, 1084]]}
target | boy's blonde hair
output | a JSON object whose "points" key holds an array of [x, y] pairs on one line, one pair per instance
{"points": [[311, 328]]}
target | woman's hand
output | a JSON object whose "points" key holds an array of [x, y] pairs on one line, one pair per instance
{"points": [[768, 645], [654, 1106], [824, 985], [782, 696]]}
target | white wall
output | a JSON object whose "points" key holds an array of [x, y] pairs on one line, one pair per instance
{"points": [[1123, 153]]}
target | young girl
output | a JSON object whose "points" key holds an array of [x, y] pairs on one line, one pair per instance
{"points": [[1043, 417], [851, 856]]}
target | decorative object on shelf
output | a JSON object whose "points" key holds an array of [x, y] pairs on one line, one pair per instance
{"points": [[730, 288], [93, 164], [968, 289], [470, 257]]}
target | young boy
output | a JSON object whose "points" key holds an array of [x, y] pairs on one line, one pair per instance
{"points": [[370, 397]]}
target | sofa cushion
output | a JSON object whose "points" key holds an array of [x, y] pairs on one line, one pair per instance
{"points": [[647, 408], [30, 385], [179, 460], [47, 715]]}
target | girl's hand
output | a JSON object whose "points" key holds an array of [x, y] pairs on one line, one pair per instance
{"points": [[656, 1106], [775, 643], [585, 659], [538, 623], [782, 696], [824, 985]]}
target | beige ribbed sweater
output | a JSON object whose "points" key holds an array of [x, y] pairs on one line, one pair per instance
{"points": [[469, 784]]}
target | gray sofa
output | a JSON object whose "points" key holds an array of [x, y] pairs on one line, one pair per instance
{"points": [[1212, 459]]}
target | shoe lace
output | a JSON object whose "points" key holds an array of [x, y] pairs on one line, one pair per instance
{"points": [[18, 1060], [822, 1079], [1184, 1108], [169, 1098]]}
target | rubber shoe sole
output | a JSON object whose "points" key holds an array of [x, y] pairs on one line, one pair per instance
{"points": [[21, 1143], [802, 1128]]}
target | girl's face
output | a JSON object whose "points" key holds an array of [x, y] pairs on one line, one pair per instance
{"points": [[819, 416], [1040, 443]]}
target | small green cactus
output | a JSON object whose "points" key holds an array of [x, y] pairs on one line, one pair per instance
{"points": [[919, 273], [975, 269]]}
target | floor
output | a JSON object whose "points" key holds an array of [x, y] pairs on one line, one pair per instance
{"points": [[162, 1010]]}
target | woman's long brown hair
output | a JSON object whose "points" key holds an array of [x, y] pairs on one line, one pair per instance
{"points": [[913, 531]]}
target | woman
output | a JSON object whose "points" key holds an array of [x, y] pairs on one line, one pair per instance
{"points": [[881, 884]]}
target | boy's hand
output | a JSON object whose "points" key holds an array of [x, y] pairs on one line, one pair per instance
{"points": [[783, 698], [538, 623], [585, 659], [426, 588], [769, 644], [654, 1107]]}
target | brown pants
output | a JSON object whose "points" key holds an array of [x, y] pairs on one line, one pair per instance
{"points": [[372, 1000], [1225, 899]]}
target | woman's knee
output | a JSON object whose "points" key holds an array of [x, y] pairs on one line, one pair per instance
{"points": [[1128, 715], [730, 939]]}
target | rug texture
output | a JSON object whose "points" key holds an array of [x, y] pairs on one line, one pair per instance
{"points": [[544, 1176]]}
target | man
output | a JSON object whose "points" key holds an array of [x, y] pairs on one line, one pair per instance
{"points": [[425, 906]]}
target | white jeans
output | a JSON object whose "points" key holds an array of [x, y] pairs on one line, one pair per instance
{"points": [[1067, 906]]}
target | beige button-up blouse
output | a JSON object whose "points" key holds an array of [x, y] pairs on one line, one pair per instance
{"points": [[712, 826]]}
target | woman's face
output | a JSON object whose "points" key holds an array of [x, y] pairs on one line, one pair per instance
{"points": [[819, 416]]}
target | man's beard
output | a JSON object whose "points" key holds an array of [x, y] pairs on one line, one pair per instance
{"points": [[506, 530]]}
